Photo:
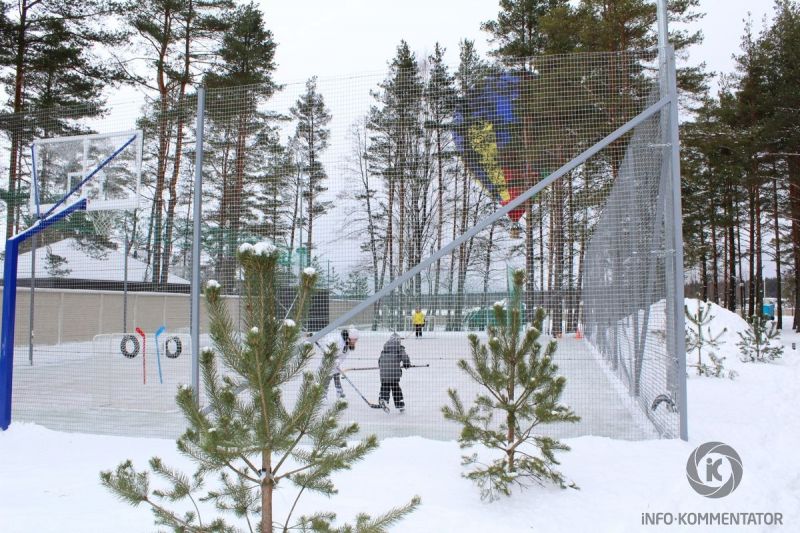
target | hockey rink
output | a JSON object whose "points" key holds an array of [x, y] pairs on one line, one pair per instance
{"points": [[91, 387]]}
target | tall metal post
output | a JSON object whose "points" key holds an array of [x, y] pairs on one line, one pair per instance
{"points": [[679, 340], [663, 33], [125, 274], [676, 343], [10, 304], [31, 316], [198, 209]]}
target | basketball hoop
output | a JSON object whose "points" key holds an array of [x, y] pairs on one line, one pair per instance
{"points": [[103, 221]]}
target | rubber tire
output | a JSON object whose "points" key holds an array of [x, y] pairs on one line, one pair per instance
{"points": [[178, 347], [123, 346]]}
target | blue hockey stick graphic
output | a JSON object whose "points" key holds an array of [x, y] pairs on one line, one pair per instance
{"points": [[159, 331]]}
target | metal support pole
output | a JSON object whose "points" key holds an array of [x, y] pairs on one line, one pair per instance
{"points": [[196, 251], [32, 299], [125, 275], [10, 305], [679, 341], [662, 16]]}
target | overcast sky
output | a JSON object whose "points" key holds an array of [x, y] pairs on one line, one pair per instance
{"points": [[332, 38]]}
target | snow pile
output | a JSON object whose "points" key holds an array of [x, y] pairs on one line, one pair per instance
{"points": [[727, 325], [724, 319]]}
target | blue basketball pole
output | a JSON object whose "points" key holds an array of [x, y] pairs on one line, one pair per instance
{"points": [[10, 304]]}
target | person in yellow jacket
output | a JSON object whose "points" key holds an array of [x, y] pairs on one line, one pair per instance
{"points": [[418, 320]]}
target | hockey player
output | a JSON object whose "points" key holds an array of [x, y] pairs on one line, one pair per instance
{"points": [[392, 360], [418, 320], [345, 343]]}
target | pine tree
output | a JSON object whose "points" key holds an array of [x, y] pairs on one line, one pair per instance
{"points": [[440, 97], [697, 340], [521, 388], [780, 44], [311, 136], [241, 136], [251, 441], [760, 342], [48, 58], [517, 31], [471, 70], [395, 154], [356, 284], [172, 37]]}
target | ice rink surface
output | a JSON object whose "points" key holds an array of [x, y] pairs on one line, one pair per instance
{"points": [[91, 387]]}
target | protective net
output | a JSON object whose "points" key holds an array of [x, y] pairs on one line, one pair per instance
{"points": [[364, 179]]}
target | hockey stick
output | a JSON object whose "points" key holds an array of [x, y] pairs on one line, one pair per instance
{"points": [[378, 368], [373, 405], [144, 355], [159, 331]]}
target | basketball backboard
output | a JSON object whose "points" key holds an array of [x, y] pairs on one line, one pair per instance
{"points": [[104, 168]]}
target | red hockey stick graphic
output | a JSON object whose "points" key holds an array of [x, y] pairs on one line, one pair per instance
{"points": [[144, 355]]}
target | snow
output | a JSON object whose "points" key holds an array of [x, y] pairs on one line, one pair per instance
{"points": [[50, 479], [727, 325], [246, 248], [309, 271], [213, 284], [264, 248], [108, 266]]}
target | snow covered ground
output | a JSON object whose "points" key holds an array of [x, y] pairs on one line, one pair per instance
{"points": [[49, 480]]}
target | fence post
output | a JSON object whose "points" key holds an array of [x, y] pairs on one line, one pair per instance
{"points": [[196, 252], [679, 340]]}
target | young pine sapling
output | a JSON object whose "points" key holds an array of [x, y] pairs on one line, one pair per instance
{"points": [[249, 437], [520, 391], [760, 342], [699, 341]]}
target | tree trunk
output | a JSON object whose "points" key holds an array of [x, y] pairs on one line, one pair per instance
{"points": [[714, 255], [163, 144], [451, 275], [267, 488], [390, 245], [779, 304], [440, 226], [794, 202], [751, 285], [731, 244], [703, 268], [295, 212], [530, 267], [740, 256], [558, 258], [759, 284], [19, 83], [488, 265]]}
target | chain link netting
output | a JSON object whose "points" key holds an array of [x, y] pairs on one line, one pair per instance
{"points": [[362, 178]]}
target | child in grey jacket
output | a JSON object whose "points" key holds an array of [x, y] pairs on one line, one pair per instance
{"points": [[392, 360]]}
